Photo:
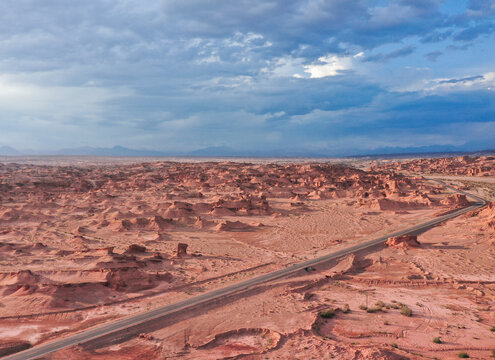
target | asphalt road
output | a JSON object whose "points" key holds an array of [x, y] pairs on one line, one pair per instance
{"points": [[208, 297]]}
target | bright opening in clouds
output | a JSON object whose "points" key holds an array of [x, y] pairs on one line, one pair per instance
{"points": [[330, 66], [296, 77]]}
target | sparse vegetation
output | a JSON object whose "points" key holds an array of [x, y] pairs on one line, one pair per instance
{"points": [[394, 345], [346, 309], [385, 322], [492, 328], [406, 311], [327, 314], [363, 307], [437, 340], [462, 355], [373, 309]]}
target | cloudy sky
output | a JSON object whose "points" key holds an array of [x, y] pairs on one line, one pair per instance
{"points": [[334, 76]]}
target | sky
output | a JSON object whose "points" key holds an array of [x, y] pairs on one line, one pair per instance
{"points": [[327, 76]]}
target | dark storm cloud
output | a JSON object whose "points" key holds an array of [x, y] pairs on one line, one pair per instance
{"points": [[191, 73], [291, 23]]}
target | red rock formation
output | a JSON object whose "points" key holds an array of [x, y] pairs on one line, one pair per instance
{"points": [[181, 250], [232, 226], [396, 205], [464, 165], [131, 279], [457, 200], [487, 216], [135, 249], [403, 242], [8, 347]]}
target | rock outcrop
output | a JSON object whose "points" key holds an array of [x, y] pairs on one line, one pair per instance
{"points": [[403, 242], [181, 250], [463, 165], [456, 200]]}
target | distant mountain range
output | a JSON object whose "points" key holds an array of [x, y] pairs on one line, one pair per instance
{"points": [[8, 151], [222, 151], [114, 151]]}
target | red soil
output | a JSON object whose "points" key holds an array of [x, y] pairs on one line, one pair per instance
{"points": [[80, 245]]}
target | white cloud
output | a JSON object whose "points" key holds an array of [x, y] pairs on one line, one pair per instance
{"points": [[249, 39], [286, 66], [332, 65], [209, 60], [62, 102], [479, 82]]}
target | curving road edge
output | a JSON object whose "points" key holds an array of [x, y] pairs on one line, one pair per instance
{"points": [[162, 312]]}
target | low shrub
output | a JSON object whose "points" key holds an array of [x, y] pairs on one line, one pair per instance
{"points": [[462, 355], [327, 314], [373, 309], [406, 311], [380, 304], [437, 340]]}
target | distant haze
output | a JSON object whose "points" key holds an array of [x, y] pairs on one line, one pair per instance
{"points": [[119, 151], [280, 78]]}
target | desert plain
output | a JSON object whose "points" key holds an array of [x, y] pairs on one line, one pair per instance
{"points": [[84, 242]]}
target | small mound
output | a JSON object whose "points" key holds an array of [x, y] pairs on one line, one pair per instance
{"points": [[379, 354], [395, 205], [222, 211], [132, 279], [202, 223], [232, 226], [23, 277], [201, 208], [487, 215], [241, 341], [403, 242], [135, 249], [84, 230], [161, 237], [103, 251], [157, 223], [175, 212], [455, 200]]}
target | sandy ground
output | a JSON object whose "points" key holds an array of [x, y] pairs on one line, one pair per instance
{"points": [[81, 245]]}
